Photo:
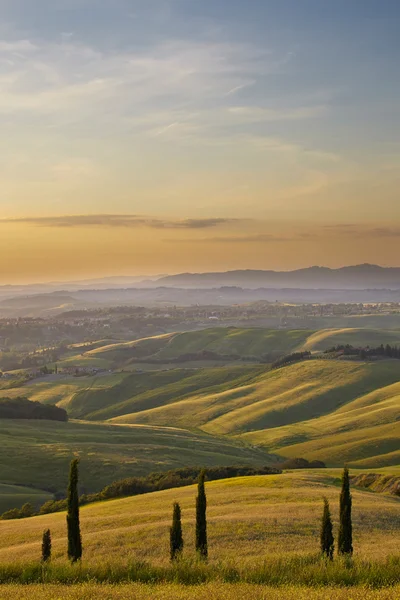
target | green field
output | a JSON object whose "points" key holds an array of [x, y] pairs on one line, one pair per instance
{"points": [[37, 453], [357, 337], [332, 410], [250, 344], [16, 495], [336, 411]]}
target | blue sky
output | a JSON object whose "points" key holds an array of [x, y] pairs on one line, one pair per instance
{"points": [[263, 116]]}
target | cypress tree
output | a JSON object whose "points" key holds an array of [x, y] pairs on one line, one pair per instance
{"points": [[175, 535], [74, 532], [46, 546], [327, 541], [345, 540], [201, 518]]}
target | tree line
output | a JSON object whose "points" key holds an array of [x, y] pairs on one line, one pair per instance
{"points": [[154, 482], [327, 542], [382, 351], [22, 408]]}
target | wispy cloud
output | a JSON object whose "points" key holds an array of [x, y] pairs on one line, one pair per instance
{"points": [[117, 221], [256, 114]]}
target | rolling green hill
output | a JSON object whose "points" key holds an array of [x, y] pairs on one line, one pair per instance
{"points": [[336, 411], [332, 410], [15, 496], [37, 453], [250, 344], [256, 342], [138, 392], [326, 338]]}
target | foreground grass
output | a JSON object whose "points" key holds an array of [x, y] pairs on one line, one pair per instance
{"points": [[310, 571], [214, 591]]}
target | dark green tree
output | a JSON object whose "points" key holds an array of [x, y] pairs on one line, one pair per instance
{"points": [[175, 534], [74, 531], [326, 537], [46, 546], [201, 518], [345, 538]]}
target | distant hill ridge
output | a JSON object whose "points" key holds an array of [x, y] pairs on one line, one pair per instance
{"points": [[365, 276]]}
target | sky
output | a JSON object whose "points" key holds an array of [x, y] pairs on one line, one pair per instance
{"points": [[161, 136]]}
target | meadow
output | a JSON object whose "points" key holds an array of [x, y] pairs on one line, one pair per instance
{"points": [[37, 454], [250, 520], [213, 591], [263, 543]]}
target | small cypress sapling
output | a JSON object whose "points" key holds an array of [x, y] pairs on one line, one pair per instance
{"points": [[73, 526], [46, 546], [201, 518], [327, 540], [345, 538], [175, 537]]}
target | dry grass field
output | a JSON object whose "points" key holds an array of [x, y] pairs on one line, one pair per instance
{"points": [[213, 591], [251, 519]]}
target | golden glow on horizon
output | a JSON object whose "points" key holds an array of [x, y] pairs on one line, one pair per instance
{"points": [[33, 253]]}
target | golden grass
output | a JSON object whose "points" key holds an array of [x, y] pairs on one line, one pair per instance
{"points": [[250, 519], [213, 591]]}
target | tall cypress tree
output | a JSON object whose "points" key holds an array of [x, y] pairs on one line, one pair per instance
{"points": [[345, 539], [201, 518], [175, 536], [327, 540], [46, 546], [74, 532]]}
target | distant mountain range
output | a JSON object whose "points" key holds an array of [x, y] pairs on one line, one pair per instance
{"points": [[356, 277]]}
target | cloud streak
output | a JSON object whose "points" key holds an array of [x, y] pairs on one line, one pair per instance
{"points": [[124, 221]]}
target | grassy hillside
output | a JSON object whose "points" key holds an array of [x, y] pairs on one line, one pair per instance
{"points": [[248, 343], [150, 390], [326, 338], [60, 389], [250, 519], [231, 340], [334, 411], [15, 496], [37, 453]]}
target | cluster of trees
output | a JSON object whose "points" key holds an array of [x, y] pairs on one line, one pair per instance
{"points": [[22, 408], [291, 358], [73, 521], [345, 536], [367, 352], [302, 463], [134, 486]]}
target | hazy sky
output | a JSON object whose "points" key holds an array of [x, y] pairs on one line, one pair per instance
{"points": [[153, 136]]}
